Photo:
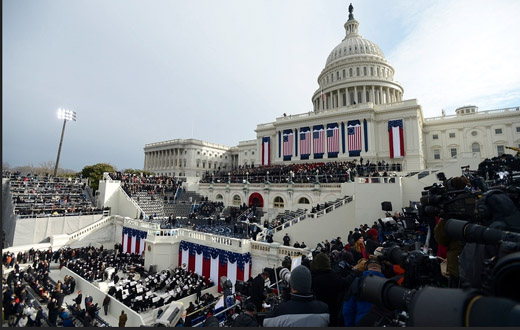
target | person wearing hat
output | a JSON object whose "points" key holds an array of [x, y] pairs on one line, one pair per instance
{"points": [[303, 309], [247, 318], [372, 242], [327, 286], [357, 312], [358, 249]]}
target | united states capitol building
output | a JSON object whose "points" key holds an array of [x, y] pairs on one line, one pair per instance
{"points": [[356, 86], [357, 111]]}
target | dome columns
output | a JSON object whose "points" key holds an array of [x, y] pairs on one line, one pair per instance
{"points": [[357, 94]]}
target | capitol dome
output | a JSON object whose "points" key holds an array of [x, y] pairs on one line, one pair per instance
{"points": [[355, 72]]}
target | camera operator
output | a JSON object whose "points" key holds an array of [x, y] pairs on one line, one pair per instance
{"points": [[303, 309], [257, 289], [327, 286], [247, 318], [358, 312], [454, 246]]}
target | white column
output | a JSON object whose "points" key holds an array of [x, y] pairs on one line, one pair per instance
{"points": [[364, 96], [355, 95], [348, 96], [372, 95]]}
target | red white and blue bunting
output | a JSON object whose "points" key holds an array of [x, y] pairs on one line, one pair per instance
{"points": [[133, 240], [213, 263]]}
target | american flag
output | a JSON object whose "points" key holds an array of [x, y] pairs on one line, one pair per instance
{"points": [[332, 138], [396, 138], [287, 143], [354, 138], [317, 136], [305, 141]]}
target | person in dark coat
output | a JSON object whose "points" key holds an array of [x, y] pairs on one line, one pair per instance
{"points": [[286, 240], [257, 289], [106, 301], [78, 299], [122, 319], [303, 309], [247, 318], [327, 286]]}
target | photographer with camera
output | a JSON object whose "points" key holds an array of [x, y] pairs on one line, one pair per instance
{"points": [[303, 309], [246, 318], [359, 312], [327, 286]]}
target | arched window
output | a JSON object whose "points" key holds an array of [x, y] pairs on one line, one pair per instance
{"points": [[219, 197], [303, 200], [278, 202], [475, 147], [237, 201]]}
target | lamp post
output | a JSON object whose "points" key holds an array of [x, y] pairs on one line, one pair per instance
{"points": [[291, 175], [66, 115], [229, 177], [317, 173], [267, 176], [247, 177]]}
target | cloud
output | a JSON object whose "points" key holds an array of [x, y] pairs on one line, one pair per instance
{"points": [[460, 52]]}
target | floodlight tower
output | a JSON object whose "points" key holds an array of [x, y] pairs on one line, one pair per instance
{"points": [[66, 115]]}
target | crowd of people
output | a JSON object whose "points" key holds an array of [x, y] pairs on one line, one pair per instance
{"points": [[45, 195], [324, 289], [329, 172], [159, 289], [157, 186]]}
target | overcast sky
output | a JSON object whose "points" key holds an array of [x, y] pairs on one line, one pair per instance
{"points": [[139, 72]]}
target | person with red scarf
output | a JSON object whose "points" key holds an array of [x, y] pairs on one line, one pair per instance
{"points": [[358, 249]]}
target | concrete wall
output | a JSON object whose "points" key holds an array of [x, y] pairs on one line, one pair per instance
{"points": [[8, 216], [36, 230], [368, 198], [315, 230], [111, 195]]}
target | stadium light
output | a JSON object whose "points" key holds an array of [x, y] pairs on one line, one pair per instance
{"points": [[66, 115]]}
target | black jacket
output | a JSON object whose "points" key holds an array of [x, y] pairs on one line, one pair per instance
{"points": [[245, 320]]}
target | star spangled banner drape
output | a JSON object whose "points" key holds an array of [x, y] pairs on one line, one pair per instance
{"points": [[354, 138], [305, 142], [332, 140], [132, 240], [213, 263], [318, 141], [288, 138]]}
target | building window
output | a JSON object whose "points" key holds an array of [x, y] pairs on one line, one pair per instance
{"points": [[435, 136], [371, 70], [337, 75], [436, 154], [518, 129], [452, 135], [498, 131], [350, 72], [236, 200], [474, 133], [245, 153], [219, 197], [327, 79], [278, 202], [453, 152], [343, 73], [303, 200], [357, 71], [252, 152], [364, 70], [198, 152], [500, 150], [367, 96], [475, 147]]}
